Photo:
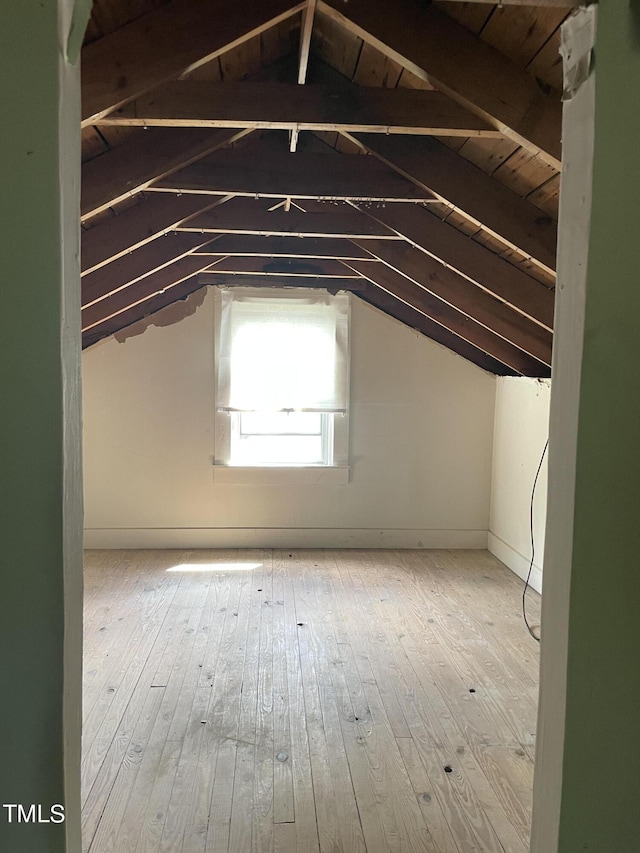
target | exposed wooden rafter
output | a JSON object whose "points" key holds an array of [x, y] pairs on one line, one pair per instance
{"points": [[460, 293], [131, 167], [450, 318], [246, 216], [480, 198], [134, 227], [438, 49], [169, 41], [287, 106], [470, 259], [259, 172]]}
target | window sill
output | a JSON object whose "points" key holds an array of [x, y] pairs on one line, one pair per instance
{"points": [[310, 475]]}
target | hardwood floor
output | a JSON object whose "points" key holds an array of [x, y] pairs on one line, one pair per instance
{"points": [[301, 701]]}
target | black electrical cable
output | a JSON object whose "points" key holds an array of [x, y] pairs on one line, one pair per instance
{"points": [[533, 549]]}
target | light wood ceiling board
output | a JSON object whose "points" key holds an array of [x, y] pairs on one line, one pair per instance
{"points": [[376, 69], [479, 197], [460, 293], [157, 152], [286, 267], [257, 173], [452, 319], [523, 172], [150, 218], [547, 196], [167, 42], [519, 32], [339, 49], [414, 319], [332, 284], [237, 245], [471, 260], [246, 216], [473, 16], [436, 47], [142, 290], [144, 308], [547, 64], [488, 154], [282, 106], [125, 271], [529, 268], [461, 223], [116, 136], [409, 80]]}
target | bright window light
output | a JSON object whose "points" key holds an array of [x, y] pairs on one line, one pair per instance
{"points": [[215, 567]]}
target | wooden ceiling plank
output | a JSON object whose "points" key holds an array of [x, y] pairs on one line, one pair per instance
{"points": [[140, 263], [460, 293], [262, 173], [130, 168], [540, 3], [463, 185], [287, 106], [235, 245], [169, 41], [137, 225], [332, 284], [245, 216], [455, 321], [285, 267], [437, 48], [141, 309], [468, 258], [399, 310], [139, 291]]}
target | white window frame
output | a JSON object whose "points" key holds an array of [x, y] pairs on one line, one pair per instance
{"points": [[334, 473]]}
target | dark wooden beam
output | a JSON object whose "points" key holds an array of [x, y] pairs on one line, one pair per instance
{"points": [[162, 44], [564, 4], [409, 316], [132, 166], [145, 308], [330, 283], [479, 197], [153, 256], [472, 260], [438, 49], [285, 268], [262, 173], [283, 106], [246, 246], [467, 297], [246, 216], [445, 315], [137, 225], [141, 290]]}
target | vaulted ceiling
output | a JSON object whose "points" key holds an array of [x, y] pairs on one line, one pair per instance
{"points": [[408, 152]]}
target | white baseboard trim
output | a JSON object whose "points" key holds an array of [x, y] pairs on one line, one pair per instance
{"points": [[514, 560], [252, 537]]}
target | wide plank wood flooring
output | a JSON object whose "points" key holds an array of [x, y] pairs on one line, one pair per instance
{"points": [[306, 702]]}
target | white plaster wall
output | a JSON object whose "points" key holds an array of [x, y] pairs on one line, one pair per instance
{"points": [[420, 448], [520, 433]]}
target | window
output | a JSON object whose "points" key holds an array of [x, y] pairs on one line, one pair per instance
{"points": [[282, 378]]}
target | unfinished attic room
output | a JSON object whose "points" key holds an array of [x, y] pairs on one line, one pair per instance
{"points": [[318, 265]]}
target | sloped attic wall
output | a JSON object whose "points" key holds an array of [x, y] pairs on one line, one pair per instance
{"points": [[420, 449]]}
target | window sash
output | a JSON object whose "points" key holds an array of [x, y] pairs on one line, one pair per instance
{"points": [[283, 351]]}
